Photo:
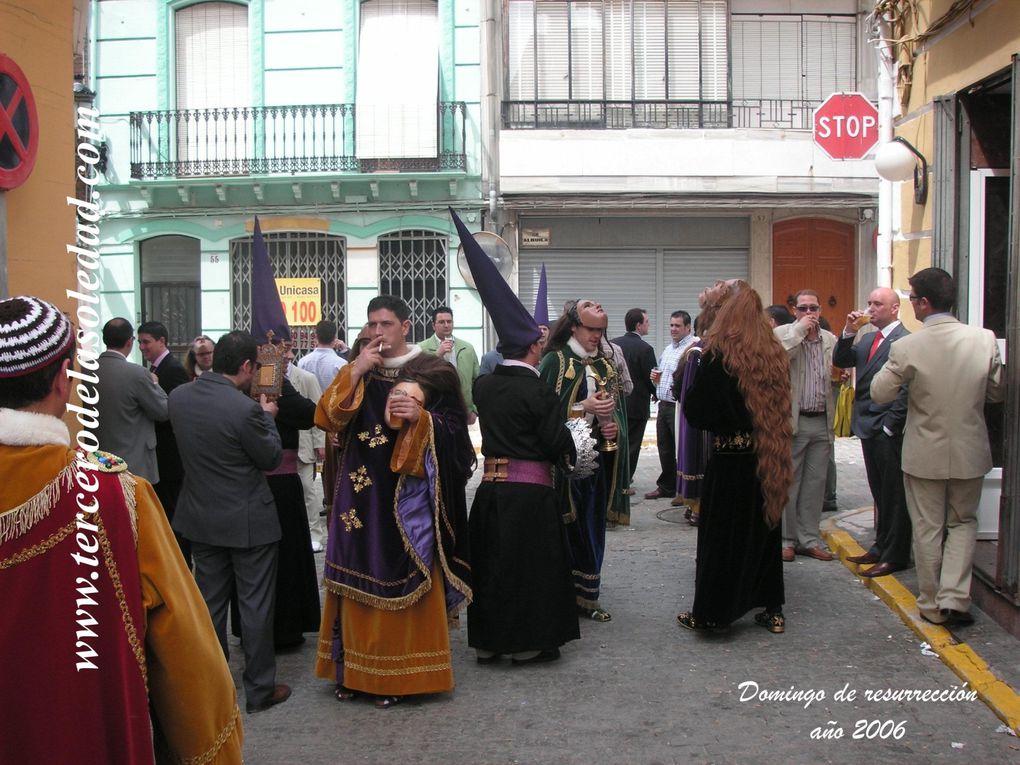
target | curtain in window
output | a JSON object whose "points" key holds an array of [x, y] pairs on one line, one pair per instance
{"points": [[396, 109]]}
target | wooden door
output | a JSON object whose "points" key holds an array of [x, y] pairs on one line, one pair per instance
{"points": [[816, 254]]}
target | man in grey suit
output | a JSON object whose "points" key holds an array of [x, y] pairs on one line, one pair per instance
{"points": [[226, 508], [130, 402], [880, 428], [951, 371]]}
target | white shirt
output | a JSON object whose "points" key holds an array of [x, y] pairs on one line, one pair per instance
{"points": [[323, 363]]}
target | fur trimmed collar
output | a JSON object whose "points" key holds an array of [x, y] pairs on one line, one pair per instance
{"points": [[577, 348], [18, 428], [398, 361]]}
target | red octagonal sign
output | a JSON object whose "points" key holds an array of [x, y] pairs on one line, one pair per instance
{"points": [[19, 125], [846, 126]]}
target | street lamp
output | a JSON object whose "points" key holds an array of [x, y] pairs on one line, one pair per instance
{"points": [[897, 161]]}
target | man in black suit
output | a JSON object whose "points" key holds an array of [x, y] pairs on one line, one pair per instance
{"points": [[880, 428], [152, 340], [640, 358], [226, 508]]}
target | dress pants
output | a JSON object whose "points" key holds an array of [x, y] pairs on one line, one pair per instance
{"points": [[882, 460], [252, 570], [635, 435], [665, 441], [312, 489], [803, 510], [944, 516]]}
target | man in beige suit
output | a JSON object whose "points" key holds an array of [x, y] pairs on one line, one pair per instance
{"points": [[951, 370], [809, 348]]}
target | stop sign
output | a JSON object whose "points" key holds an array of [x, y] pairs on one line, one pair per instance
{"points": [[846, 126]]}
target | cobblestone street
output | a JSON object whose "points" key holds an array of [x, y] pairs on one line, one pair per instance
{"points": [[642, 690]]}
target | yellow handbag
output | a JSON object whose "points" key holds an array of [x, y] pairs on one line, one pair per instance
{"points": [[844, 411]]}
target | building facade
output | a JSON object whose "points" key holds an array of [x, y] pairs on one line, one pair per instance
{"points": [[347, 127], [649, 147], [959, 107]]}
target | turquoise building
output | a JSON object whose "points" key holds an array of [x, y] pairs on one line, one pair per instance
{"points": [[348, 127]]}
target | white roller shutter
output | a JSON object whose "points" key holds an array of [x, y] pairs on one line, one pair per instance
{"points": [[685, 273], [618, 280]]}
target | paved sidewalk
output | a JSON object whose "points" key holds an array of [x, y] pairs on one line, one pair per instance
{"points": [[640, 689]]}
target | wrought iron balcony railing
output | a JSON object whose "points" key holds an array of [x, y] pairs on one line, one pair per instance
{"points": [[327, 138], [672, 114]]}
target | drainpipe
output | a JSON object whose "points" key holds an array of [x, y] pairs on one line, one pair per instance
{"points": [[886, 109], [491, 56]]}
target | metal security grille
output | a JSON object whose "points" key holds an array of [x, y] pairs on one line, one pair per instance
{"points": [[171, 286], [412, 265], [294, 254]]}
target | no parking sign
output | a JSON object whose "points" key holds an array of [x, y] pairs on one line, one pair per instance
{"points": [[19, 126]]}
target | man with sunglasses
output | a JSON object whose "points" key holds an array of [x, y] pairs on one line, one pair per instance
{"points": [[810, 351], [951, 371]]}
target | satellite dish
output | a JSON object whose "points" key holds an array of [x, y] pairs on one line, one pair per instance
{"points": [[498, 251]]}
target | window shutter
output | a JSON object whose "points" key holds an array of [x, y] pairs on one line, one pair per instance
{"points": [[586, 60], [553, 51], [398, 79], [714, 50], [619, 49], [521, 31], [683, 48], [830, 56], [650, 47], [212, 56]]}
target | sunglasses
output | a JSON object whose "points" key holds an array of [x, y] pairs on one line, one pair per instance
{"points": [[808, 308]]}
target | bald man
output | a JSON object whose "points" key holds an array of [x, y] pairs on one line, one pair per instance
{"points": [[880, 428]]}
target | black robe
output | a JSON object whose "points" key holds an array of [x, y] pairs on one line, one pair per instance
{"points": [[523, 591], [739, 564]]}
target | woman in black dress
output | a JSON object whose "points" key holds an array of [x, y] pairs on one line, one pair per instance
{"points": [[741, 394]]}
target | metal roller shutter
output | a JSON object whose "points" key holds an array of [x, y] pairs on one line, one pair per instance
{"points": [[618, 280], [685, 273]]}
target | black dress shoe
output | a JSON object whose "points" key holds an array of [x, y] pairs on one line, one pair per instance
{"points": [[280, 694], [959, 618], [658, 494], [551, 654], [868, 557], [882, 569]]}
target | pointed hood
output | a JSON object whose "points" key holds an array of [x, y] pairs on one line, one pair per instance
{"points": [[514, 325], [542, 300], [266, 312]]}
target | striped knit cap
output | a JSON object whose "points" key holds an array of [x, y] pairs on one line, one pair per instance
{"points": [[33, 334]]}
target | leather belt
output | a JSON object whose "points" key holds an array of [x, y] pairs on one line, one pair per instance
{"points": [[804, 413], [287, 465], [513, 470]]}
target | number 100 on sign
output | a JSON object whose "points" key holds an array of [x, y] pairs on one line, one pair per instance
{"points": [[301, 300]]}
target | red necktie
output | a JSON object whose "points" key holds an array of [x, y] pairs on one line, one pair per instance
{"points": [[874, 346]]}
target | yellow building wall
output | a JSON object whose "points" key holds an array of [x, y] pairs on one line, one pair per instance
{"points": [[978, 48], [36, 34]]}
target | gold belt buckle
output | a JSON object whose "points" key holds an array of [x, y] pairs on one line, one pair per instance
{"points": [[496, 469]]}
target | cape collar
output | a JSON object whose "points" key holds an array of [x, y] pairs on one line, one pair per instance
{"points": [[398, 361], [579, 350], [18, 428]]}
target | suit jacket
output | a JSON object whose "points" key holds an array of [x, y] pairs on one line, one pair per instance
{"points": [[226, 441], [951, 370], [791, 336], [466, 361], [869, 417], [640, 357], [171, 374], [129, 405]]}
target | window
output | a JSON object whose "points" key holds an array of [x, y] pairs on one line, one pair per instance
{"points": [[398, 79], [171, 292], [213, 72], [796, 59], [412, 266], [616, 50], [294, 254]]}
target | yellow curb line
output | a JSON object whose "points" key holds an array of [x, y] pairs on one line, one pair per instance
{"points": [[959, 657]]}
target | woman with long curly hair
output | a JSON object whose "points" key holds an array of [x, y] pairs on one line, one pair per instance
{"points": [[741, 394]]}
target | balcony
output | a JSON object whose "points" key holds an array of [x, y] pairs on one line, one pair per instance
{"points": [[243, 141], [662, 114]]}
